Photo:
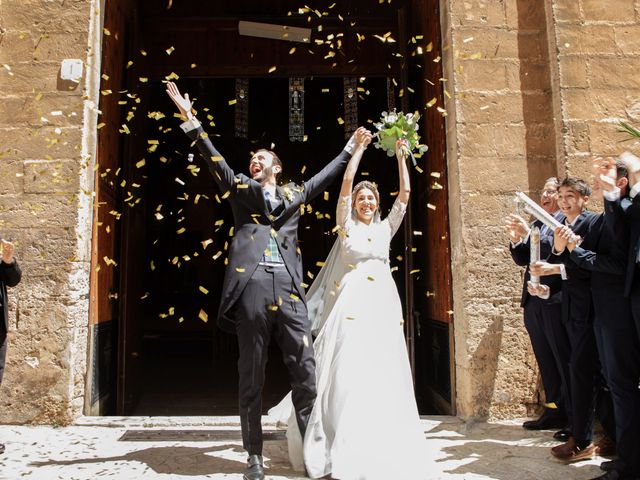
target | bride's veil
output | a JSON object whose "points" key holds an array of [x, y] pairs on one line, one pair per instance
{"points": [[323, 292]]}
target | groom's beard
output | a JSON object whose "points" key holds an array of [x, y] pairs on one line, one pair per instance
{"points": [[265, 173]]}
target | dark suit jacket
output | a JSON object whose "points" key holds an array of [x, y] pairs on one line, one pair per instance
{"points": [[10, 276], [622, 218], [521, 256], [577, 303], [254, 224], [607, 262]]}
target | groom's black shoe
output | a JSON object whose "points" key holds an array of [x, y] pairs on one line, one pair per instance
{"points": [[255, 468]]}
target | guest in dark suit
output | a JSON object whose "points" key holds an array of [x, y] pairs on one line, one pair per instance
{"points": [[10, 276], [262, 292], [618, 344], [543, 317], [577, 312]]}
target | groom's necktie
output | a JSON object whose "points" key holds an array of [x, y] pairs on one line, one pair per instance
{"points": [[271, 253]]}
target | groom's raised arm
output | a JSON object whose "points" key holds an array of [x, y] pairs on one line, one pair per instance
{"points": [[222, 173], [330, 173]]}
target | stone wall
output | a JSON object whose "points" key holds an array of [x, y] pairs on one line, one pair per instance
{"points": [[598, 55], [501, 136], [44, 207]]}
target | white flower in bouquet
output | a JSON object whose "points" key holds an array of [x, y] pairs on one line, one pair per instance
{"points": [[399, 126]]}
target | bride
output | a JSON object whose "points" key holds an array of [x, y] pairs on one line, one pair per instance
{"points": [[365, 423]]}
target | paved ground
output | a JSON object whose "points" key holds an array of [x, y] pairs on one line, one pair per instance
{"points": [[162, 448]]}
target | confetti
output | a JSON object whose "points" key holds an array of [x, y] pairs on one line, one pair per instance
{"points": [[203, 290], [203, 316], [170, 50]]}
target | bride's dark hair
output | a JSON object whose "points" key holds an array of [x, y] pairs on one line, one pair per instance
{"points": [[371, 186]]}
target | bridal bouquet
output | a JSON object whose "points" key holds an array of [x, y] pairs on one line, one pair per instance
{"points": [[399, 126]]}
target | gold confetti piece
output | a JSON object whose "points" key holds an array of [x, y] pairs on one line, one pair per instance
{"points": [[100, 125], [450, 312], [435, 174], [326, 195], [143, 79], [179, 181], [240, 269], [349, 317], [370, 278], [193, 65], [217, 255], [417, 232], [292, 51], [414, 271], [319, 264], [140, 163], [203, 316], [129, 63], [159, 216], [272, 69], [294, 297], [203, 290], [393, 269], [181, 230], [206, 243], [233, 102], [436, 186], [340, 121], [106, 31], [273, 308], [170, 50], [305, 340], [432, 207]]}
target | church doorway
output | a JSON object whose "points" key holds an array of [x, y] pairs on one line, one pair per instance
{"points": [[161, 230]]}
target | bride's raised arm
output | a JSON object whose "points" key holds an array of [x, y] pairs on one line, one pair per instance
{"points": [[362, 138], [403, 171]]}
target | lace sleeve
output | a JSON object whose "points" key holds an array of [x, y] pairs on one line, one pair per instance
{"points": [[396, 215], [343, 211]]}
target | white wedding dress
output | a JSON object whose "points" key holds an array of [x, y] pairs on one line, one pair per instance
{"points": [[364, 424]]}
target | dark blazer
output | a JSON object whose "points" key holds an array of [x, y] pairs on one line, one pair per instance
{"points": [[607, 262], [622, 218], [521, 256], [254, 223], [10, 275], [576, 290]]}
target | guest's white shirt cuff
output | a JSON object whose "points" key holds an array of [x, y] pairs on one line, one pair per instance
{"points": [[521, 241], [612, 195], [563, 271], [546, 295], [634, 190], [191, 124]]}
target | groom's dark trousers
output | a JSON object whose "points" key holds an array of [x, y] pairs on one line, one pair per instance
{"points": [[260, 302]]}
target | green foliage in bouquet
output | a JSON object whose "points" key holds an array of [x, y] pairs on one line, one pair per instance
{"points": [[399, 126]]}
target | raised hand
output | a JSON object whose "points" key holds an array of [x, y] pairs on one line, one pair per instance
{"points": [[362, 137], [7, 251], [561, 236], [516, 227], [183, 103], [402, 149], [604, 171]]}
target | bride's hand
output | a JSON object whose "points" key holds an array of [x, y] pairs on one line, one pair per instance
{"points": [[362, 137], [402, 149], [183, 103]]}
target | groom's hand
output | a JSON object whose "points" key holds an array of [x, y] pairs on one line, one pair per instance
{"points": [[362, 137], [183, 103]]}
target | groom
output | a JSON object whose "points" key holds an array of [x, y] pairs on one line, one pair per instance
{"points": [[262, 293]]}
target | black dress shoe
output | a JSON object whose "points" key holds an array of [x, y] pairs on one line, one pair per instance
{"points": [[255, 468], [562, 435], [610, 465], [550, 418]]}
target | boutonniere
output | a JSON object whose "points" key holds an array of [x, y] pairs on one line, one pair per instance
{"points": [[287, 193]]}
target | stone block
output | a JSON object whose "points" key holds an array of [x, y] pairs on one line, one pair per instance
{"points": [[485, 75], [526, 16], [29, 77], [627, 38], [44, 142], [586, 39], [495, 175], [592, 104], [567, 11], [50, 176], [38, 16], [605, 140], [573, 72], [488, 43], [615, 73], [478, 12], [52, 109], [576, 138], [36, 210], [528, 75], [609, 11], [21, 46], [505, 107], [12, 181]]}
